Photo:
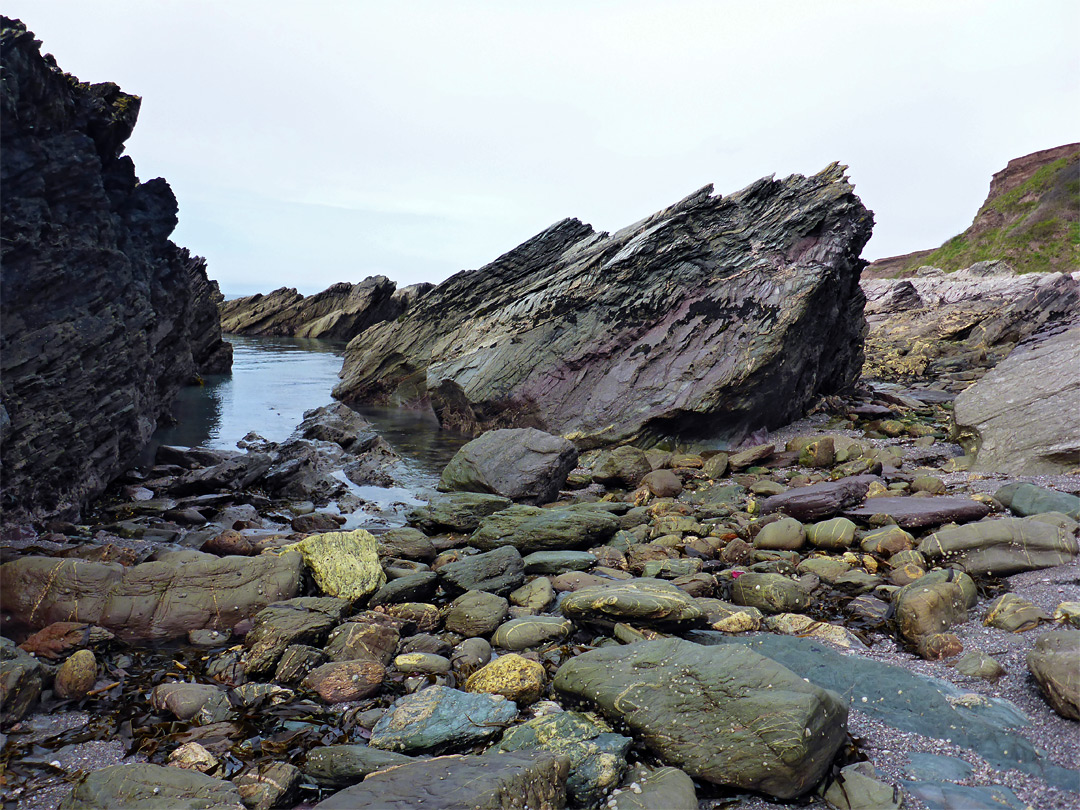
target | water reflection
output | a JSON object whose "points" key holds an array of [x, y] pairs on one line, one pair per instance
{"points": [[416, 436], [273, 381]]}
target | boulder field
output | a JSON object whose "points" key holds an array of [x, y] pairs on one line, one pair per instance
{"points": [[102, 317], [763, 632], [711, 318]]}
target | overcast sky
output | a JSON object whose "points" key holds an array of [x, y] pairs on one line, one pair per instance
{"points": [[314, 142]]}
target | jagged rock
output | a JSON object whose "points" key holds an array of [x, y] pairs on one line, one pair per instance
{"points": [[524, 464], [340, 312], [20, 681], [723, 714], [344, 564], [491, 781], [292, 622], [1017, 416], [714, 316], [495, 571], [271, 784], [103, 318], [152, 600]]}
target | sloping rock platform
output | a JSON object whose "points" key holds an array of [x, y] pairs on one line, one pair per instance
{"points": [[711, 318]]}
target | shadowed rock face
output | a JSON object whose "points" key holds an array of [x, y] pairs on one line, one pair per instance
{"points": [[103, 317], [340, 312], [710, 318]]}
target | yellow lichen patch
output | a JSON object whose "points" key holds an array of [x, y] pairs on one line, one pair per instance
{"points": [[511, 676], [344, 564]]}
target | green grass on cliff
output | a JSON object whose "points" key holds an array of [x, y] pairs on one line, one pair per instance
{"points": [[1040, 232]]}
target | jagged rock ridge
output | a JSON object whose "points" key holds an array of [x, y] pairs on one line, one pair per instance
{"points": [[711, 318], [340, 312], [103, 317]]}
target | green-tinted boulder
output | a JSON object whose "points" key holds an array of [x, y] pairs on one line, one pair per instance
{"points": [[456, 512], [926, 608], [771, 593], [338, 766], [887, 541], [1027, 499], [827, 569], [496, 571], [785, 534], [143, 786], [530, 528], [620, 466], [854, 789], [834, 534], [646, 601], [438, 716], [344, 564], [1002, 547], [491, 781], [723, 714], [476, 613], [597, 756], [531, 631], [1014, 613], [555, 562], [645, 788], [977, 664], [303, 620], [20, 681], [1055, 663]]}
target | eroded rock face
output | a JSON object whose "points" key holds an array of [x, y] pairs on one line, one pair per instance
{"points": [[103, 318], [712, 317], [1022, 414], [340, 312]]}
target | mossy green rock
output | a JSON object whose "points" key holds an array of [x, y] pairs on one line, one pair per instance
{"points": [[663, 788], [924, 608], [771, 593], [344, 564], [20, 680], [1014, 614], [530, 528], [785, 534], [152, 787], [1002, 547], [531, 631], [439, 715], [597, 756], [1027, 499], [827, 569], [837, 533], [1055, 663], [456, 511], [476, 613], [338, 766], [723, 714], [978, 664], [649, 601]]}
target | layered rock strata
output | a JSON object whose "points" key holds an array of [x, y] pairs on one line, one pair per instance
{"points": [[103, 317], [340, 312], [710, 318]]}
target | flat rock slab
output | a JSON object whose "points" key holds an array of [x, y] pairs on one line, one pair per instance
{"points": [[1002, 547], [909, 702], [734, 719], [152, 787], [820, 501], [918, 513], [523, 464], [439, 716], [493, 781], [651, 601], [1026, 499], [153, 600]]}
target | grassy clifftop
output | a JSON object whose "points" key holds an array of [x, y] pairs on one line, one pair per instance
{"points": [[1031, 219]]}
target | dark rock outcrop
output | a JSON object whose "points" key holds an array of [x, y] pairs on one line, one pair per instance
{"points": [[713, 317], [340, 312], [103, 317]]}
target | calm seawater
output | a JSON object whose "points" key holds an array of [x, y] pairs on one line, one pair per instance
{"points": [[273, 381]]}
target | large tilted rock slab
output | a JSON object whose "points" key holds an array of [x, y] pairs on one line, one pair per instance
{"points": [[102, 317], [722, 714], [340, 312], [491, 781], [712, 317], [153, 600], [1022, 414]]}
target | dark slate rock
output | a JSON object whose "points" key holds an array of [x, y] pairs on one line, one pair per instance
{"points": [[523, 464], [909, 702], [723, 718], [492, 781], [456, 511], [497, 571], [419, 587], [20, 681], [439, 716], [918, 513], [339, 766], [819, 501], [283, 624], [663, 788]]}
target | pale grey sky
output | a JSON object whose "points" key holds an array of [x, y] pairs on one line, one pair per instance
{"points": [[317, 142]]}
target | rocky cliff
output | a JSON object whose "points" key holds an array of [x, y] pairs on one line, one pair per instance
{"points": [[340, 312], [103, 318], [1031, 219], [713, 317]]}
